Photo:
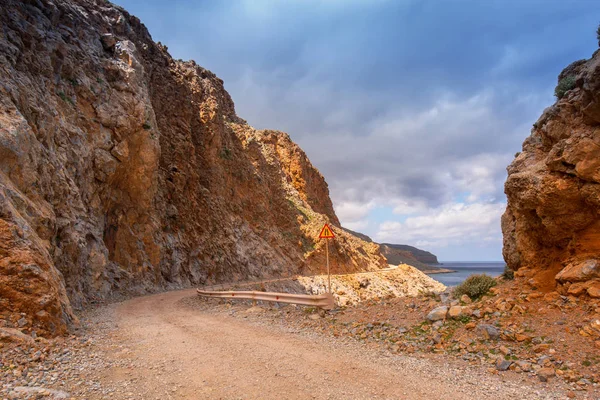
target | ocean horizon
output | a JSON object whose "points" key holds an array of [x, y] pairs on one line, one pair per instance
{"points": [[466, 268]]}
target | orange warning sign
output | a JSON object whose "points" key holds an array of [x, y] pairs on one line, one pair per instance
{"points": [[326, 232]]}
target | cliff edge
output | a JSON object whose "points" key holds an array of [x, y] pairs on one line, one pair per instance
{"points": [[551, 225]]}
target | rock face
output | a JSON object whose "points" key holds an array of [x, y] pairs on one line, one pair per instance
{"points": [[551, 226], [122, 169]]}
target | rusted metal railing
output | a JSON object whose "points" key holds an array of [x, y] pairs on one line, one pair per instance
{"points": [[324, 301]]}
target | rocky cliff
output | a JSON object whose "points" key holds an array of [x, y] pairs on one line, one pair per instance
{"points": [[551, 226], [122, 169], [409, 253]]}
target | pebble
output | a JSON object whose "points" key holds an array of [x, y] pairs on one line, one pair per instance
{"points": [[455, 311], [545, 373], [503, 365], [488, 331], [437, 314]]}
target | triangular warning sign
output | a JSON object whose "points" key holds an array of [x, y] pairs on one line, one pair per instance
{"points": [[326, 232]]}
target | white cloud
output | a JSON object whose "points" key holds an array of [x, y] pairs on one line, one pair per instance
{"points": [[357, 226], [409, 206], [451, 224], [352, 212], [481, 175], [409, 161]]}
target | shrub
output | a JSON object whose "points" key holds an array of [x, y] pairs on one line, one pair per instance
{"points": [[567, 83], [475, 286], [147, 126], [508, 273], [598, 34]]}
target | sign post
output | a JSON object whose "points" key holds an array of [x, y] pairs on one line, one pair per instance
{"points": [[327, 233]]}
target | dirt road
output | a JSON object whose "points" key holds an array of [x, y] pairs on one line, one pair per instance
{"points": [[169, 350]]}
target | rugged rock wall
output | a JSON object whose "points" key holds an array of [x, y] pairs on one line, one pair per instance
{"points": [[122, 169], [551, 226]]}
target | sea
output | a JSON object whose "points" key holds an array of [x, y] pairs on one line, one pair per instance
{"points": [[466, 268]]}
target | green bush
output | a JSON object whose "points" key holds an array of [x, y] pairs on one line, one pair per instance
{"points": [[508, 273], [598, 34], [565, 84], [475, 286]]}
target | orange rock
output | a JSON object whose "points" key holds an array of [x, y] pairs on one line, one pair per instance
{"points": [[540, 348], [519, 309], [545, 373], [551, 297], [455, 311], [594, 290], [551, 221], [577, 289], [579, 271], [519, 337], [522, 272], [535, 295]]}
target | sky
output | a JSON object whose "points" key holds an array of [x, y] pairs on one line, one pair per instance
{"points": [[410, 109]]}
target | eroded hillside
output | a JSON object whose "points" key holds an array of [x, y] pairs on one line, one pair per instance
{"points": [[122, 169]]}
